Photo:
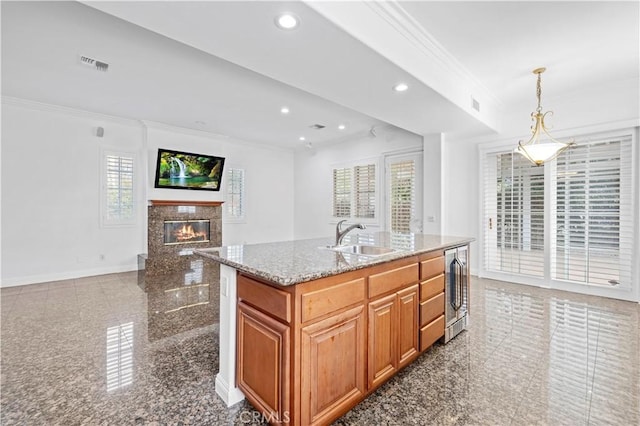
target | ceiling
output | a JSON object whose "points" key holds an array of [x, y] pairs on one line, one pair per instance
{"points": [[225, 68]]}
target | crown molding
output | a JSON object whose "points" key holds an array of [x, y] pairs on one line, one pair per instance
{"points": [[59, 109], [410, 29], [154, 125], [145, 124]]}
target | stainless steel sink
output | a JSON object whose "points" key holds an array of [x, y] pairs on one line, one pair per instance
{"points": [[363, 250]]}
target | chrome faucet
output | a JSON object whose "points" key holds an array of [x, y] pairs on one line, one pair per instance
{"points": [[340, 234]]}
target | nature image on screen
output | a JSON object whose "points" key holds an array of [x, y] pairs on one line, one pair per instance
{"points": [[187, 170]]}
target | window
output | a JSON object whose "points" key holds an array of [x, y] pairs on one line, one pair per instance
{"points": [[235, 203], [514, 238], [342, 192], [118, 189], [569, 221], [592, 228], [402, 202], [355, 192]]}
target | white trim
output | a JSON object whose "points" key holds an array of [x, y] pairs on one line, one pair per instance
{"points": [[407, 26], [43, 278], [41, 106], [154, 125], [226, 377]]}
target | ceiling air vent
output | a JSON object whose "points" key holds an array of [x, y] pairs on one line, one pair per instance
{"points": [[317, 126], [94, 63], [475, 104]]}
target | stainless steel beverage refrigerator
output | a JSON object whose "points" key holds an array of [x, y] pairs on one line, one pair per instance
{"points": [[457, 291]]}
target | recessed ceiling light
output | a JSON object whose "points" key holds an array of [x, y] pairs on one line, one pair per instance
{"points": [[287, 21], [302, 138], [401, 87], [342, 127], [284, 110]]}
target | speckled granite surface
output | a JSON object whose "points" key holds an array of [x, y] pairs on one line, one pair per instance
{"points": [[292, 262], [531, 357]]}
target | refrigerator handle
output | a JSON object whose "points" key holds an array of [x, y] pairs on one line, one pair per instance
{"points": [[459, 274], [453, 283], [462, 284]]}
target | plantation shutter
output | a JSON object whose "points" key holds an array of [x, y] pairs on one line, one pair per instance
{"points": [[235, 194], [592, 236], [342, 192], [513, 215], [119, 188], [365, 191], [402, 203]]}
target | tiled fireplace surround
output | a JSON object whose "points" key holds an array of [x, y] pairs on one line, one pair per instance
{"points": [[164, 259], [182, 289]]}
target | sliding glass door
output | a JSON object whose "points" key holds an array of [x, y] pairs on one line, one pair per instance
{"points": [[568, 224]]}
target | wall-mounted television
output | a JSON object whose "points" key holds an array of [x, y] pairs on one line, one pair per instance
{"points": [[186, 170]]}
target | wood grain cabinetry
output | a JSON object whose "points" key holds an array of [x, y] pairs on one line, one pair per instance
{"points": [[263, 361], [393, 322], [332, 365], [308, 353], [432, 298]]}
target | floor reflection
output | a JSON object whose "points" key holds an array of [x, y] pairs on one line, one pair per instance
{"points": [[119, 356]]}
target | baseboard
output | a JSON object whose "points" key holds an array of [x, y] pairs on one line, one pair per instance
{"points": [[43, 278], [230, 396]]}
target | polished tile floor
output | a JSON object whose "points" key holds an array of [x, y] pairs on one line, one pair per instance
{"points": [[107, 350]]}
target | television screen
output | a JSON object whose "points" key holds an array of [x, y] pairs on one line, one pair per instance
{"points": [[185, 170]]}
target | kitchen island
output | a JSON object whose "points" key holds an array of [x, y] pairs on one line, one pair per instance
{"points": [[308, 330]]}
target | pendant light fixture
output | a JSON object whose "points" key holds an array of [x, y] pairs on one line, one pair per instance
{"points": [[541, 147]]}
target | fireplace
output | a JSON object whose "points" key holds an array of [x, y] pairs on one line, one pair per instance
{"points": [[175, 228], [186, 231]]}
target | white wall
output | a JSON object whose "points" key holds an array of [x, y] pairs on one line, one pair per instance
{"points": [[313, 179], [50, 195], [268, 181], [51, 190]]}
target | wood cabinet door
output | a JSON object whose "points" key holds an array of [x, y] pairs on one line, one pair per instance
{"points": [[408, 324], [263, 362], [332, 366], [382, 342]]}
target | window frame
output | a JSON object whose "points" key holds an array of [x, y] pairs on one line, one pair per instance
{"points": [[227, 217], [625, 292], [105, 222], [353, 218]]}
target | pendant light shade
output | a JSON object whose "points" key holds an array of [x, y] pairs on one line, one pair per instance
{"points": [[541, 147]]}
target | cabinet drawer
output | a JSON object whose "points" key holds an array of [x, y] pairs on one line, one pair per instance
{"points": [[431, 332], [432, 267], [431, 287], [431, 309], [321, 302], [268, 299], [393, 279]]}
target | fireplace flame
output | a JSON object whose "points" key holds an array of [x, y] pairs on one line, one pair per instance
{"points": [[181, 232], [186, 233]]}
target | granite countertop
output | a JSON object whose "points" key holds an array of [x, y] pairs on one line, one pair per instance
{"points": [[292, 262]]}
